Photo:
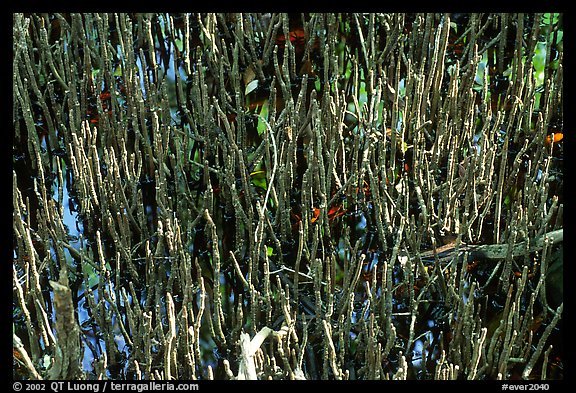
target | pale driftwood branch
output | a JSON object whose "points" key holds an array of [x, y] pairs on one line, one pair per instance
{"points": [[499, 251], [248, 348]]}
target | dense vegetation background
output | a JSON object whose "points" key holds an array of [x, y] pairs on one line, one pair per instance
{"points": [[287, 196]]}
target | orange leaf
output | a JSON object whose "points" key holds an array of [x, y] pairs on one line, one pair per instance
{"points": [[316, 214], [336, 211], [557, 138], [297, 36]]}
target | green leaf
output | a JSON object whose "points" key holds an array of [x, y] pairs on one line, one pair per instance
{"points": [[269, 251], [117, 71], [250, 87], [263, 114], [260, 182], [93, 276]]}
